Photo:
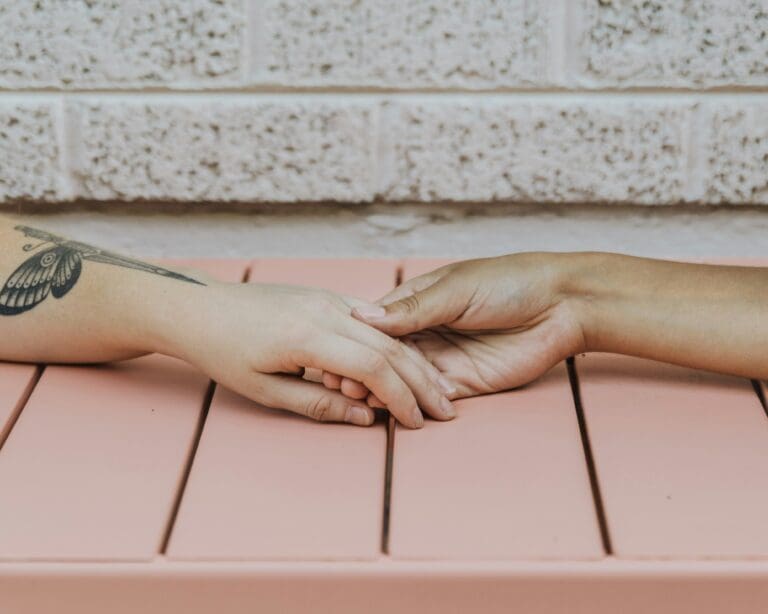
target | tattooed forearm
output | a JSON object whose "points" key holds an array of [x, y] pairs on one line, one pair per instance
{"points": [[56, 269]]}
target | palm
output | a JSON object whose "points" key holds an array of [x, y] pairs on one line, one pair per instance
{"points": [[481, 362]]}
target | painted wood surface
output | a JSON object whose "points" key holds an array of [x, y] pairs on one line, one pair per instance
{"points": [[267, 484], [491, 512], [506, 479], [16, 382], [681, 457], [92, 466]]}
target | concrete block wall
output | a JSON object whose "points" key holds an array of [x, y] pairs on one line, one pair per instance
{"points": [[559, 101]]}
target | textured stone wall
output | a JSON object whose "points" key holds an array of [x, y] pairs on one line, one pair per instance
{"points": [[592, 101]]}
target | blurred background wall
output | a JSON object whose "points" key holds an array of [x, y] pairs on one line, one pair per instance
{"points": [[379, 128]]}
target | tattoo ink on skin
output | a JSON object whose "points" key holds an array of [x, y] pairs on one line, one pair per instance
{"points": [[55, 270]]}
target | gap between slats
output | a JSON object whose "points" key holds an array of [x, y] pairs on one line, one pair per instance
{"points": [[391, 434], [188, 466], [391, 430], [594, 483], [388, 485], [21, 404], [205, 409], [589, 457], [759, 392]]}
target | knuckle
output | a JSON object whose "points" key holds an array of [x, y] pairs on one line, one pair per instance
{"points": [[410, 304], [320, 409], [319, 307], [373, 364], [261, 394], [391, 347], [328, 301]]}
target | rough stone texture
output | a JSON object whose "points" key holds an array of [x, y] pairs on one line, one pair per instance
{"points": [[264, 151], [435, 136], [29, 152], [735, 153], [559, 152], [310, 42], [105, 43], [426, 149], [675, 42], [423, 43]]}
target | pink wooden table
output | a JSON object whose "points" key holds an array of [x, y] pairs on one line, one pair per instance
{"points": [[611, 485]]}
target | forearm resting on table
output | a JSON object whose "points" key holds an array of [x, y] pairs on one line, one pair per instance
{"points": [[64, 301], [702, 316]]}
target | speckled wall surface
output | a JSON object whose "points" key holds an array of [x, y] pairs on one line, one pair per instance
{"points": [[572, 103]]}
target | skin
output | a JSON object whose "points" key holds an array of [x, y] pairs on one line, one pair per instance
{"points": [[256, 339], [498, 323]]}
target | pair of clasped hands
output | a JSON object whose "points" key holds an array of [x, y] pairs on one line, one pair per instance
{"points": [[468, 328]]}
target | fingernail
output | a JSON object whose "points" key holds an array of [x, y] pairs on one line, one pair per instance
{"points": [[447, 407], [358, 416], [371, 312], [445, 385], [418, 419]]}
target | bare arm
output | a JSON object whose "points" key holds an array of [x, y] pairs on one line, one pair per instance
{"points": [[66, 301], [704, 316]]}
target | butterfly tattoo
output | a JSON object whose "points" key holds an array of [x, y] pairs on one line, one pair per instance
{"points": [[56, 269]]}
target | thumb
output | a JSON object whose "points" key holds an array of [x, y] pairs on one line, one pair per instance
{"points": [[432, 306]]}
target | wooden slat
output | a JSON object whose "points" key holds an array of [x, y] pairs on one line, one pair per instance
{"points": [[383, 587], [681, 458], [507, 479], [93, 464], [16, 381], [270, 485], [361, 278]]}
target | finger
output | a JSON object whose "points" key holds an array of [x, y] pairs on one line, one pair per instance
{"points": [[447, 387], [349, 387], [453, 363], [373, 401], [441, 303], [410, 366], [359, 362], [331, 380], [351, 301], [429, 344], [413, 285], [308, 399], [313, 375], [352, 389]]}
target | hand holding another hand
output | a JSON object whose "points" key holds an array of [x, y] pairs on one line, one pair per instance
{"points": [[258, 339], [489, 324]]}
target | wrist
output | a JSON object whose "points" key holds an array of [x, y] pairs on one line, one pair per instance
{"points": [[585, 283], [163, 315]]}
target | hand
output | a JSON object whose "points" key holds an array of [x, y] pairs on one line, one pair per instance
{"points": [[258, 339], [489, 324]]}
